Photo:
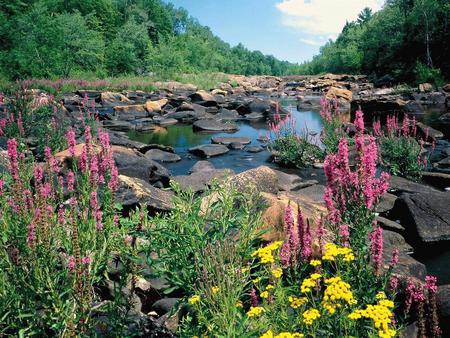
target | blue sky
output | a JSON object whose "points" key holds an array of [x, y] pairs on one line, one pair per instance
{"points": [[290, 30]]}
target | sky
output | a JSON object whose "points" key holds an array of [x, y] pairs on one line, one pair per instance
{"points": [[291, 30]]}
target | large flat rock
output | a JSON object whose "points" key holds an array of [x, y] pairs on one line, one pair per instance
{"points": [[201, 180], [208, 150], [214, 125], [162, 156], [231, 139], [426, 215]]}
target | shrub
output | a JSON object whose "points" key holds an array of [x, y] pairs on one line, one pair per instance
{"points": [[424, 74], [401, 154], [289, 147], [332, 131]]}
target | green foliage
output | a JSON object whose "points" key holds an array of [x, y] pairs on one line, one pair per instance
{"points": [[425, 74], [391, 41], [54, 38], [180, 239]]}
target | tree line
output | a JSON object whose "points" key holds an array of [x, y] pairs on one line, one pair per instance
{"points": [[408, 41], [64, 38]]}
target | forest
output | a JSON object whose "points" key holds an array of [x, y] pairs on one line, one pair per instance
{"points": [[86, 38], [407, 40]]}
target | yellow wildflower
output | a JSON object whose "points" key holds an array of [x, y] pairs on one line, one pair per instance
{"points": [[239, 304], [215, 289], [256, 280], [315, 276], [264, 294], [194, 299], [255, 311], [380, 295], [297, 302], [268, 334], [307, 284], [309, 316], [337, 290], [315, 262], [277, 273], [270, 287], [266, 254]]}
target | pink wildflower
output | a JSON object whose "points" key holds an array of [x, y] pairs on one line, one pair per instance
{"points": [[71, 264], [376, 246]]}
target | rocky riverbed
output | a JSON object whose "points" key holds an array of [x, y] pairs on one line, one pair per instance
{"points": [[415, 216]]}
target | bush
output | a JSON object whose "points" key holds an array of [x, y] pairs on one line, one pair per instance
{"points": [[401, 154], [425, 74], [332, 131], [290, 148]]}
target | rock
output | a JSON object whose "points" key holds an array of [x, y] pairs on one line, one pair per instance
{"points": [[134, 191], [432, 133], [386, 203], [236, 146], [444, 163], [162, 156], [219, 92], [407, 266], [202, 166], [110, 99], [164, 305], [254, 149], [260, 179], [287, 182], [227, 115], [389, 225], [227, 140], [134, 164], [204, 98], [185, 106], [186, 115], [318, 165], [176, 86], [201, 180], [209, 150], [314, 193], [130, 112], [254, 116], [339, 93], [393, 240], [425, 87], [438, 180], [378, 106], [400, 185], [117, 125], [64, 156], [155, 106], [164, 122], [446, 88], [119, 139], [214, 125], [443, 300], [263, 138], [426, 216], [259, 106]]}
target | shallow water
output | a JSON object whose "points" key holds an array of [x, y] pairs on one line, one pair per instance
{"points": [[181, 137]]}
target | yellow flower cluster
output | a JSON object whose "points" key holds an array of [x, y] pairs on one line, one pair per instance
{"points": [[215, 289], [255, 311], [380, 314], [194, 299], [332, 251], [277, 273], [297, 302], [264, 294], [270, 334], [309, 316], [239, 304], [270, 287], [337, 290], [309, 283], [266, 254], [315, 262]]}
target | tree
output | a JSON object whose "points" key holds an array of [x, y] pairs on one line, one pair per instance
{"points": [[364, 16]]}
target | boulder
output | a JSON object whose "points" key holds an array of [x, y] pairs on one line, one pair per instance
{"points": [[162, 156], [227, 115], [432, 133], [117, 125], [387, 224], [64, 156], [111, 99], [314, 193], [119, 139], [425, 87], [186, 115], [393, 240], [164, 122], [254, 149], [202, 166], [446, 88], [204, 98], [426, 216], [209, 150], [259, 106], [236, 146], [287, 182], [399, 185], [386, 203], [438, 180], [339, 93], [133, 164], [164, 305], [155, 106], [260, 179], [199, 181], [254, 116], [219, 92], [134, 191], [214, 125], [227, 140], [443, 297], [130, 112]]}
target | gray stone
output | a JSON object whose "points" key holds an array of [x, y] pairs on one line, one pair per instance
{"points": [[260, 179], [313, 192], [134, 191], [236, 146], [164, 305], [202, 166], [162, 156], [214, 125], [164, 122], [227, 140], [227, 115], [399, 185], [254, 149], [209, 150], [389, 225], [433, 134], [201, 180], [426, 215], [287, 182], [386, 203], [254, 116], [438, 180], [443, 300], [393, 240], [117, 125]]}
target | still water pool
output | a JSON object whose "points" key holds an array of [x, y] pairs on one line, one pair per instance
{"points": [[181, 137]]}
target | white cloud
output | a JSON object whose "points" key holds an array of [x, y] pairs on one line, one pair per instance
{"points": [[322, 17], [312, 42]]}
